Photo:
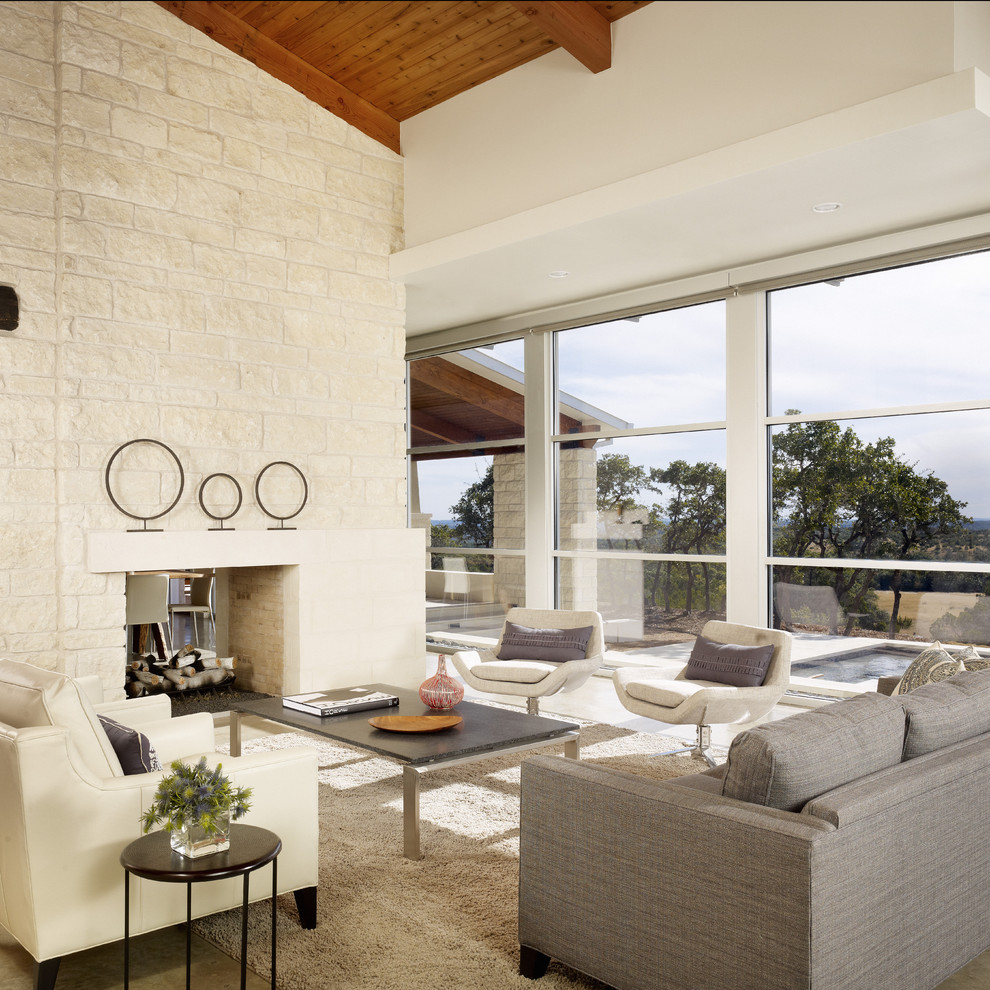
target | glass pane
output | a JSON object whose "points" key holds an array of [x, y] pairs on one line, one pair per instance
{"points": [[467, 396], [471, 501], [950, 606], [655, 370], [652, 494], [468, 596], [645, 603], [908, 336], [892, 488]]}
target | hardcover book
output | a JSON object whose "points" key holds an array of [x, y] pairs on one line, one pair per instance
{"points": [[339, 702]]}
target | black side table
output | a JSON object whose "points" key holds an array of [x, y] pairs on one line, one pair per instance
{"points": [[152, 858]]}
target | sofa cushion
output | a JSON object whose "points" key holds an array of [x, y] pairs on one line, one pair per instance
{"points": [[948, 712], [133, 748], [548, 645], [931, 664], [728, 663], [784, 764], [31, 696]]}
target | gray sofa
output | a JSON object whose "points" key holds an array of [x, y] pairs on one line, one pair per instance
{"points": [[844, 847]]}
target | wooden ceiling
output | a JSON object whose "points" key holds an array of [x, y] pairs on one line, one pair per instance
{"points": [[376, 63]]}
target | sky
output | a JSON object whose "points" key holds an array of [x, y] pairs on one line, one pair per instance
{"points": [[905, 337]]}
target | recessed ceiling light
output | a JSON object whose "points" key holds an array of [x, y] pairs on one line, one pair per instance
{"points": [[825, 207], [558, 274]]}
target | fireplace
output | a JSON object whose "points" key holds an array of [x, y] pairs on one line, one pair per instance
{"points": [[302, 610]]}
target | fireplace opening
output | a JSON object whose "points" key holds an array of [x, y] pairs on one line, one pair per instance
{"points": [[204, 629]]}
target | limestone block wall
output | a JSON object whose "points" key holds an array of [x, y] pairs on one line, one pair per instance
{"points": [[201, 257]]}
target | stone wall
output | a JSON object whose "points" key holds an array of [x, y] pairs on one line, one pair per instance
{"points": [[201, 258]]}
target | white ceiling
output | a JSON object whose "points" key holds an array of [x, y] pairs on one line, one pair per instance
{"points": [[912, 159]]}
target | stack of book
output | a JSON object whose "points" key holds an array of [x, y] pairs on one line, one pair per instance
{"points": [[339, 703]]}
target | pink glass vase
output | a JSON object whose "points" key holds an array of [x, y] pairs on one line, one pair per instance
{"points": [[441, 691]]}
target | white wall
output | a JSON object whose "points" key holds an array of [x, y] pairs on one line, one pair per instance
{"points": [[201, 257], [687, 78]]}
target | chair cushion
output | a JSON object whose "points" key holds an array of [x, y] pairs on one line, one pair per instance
{"points": [[663, 691], [784, 764], [31, 695], [929, 666], [133, 748], [728, 663], [548, 645], [517, 672], [948, 712]]}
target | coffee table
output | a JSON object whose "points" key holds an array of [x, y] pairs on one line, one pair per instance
{"points": [[485, 732]]}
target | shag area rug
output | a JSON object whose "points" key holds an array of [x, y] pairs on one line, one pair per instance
{"points": [[449, 920]]}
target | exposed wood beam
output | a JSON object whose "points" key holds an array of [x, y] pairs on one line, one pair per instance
{"points": [[470, 388], [440, 429], [576, 27], [227, 30]]}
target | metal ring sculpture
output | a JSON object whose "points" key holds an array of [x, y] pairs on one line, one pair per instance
{"points": [[233, 512], [145, 519], [261, 505]]}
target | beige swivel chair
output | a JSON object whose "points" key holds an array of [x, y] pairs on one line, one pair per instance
{"points": [[533, 679], [652, 693], [199, 607]]}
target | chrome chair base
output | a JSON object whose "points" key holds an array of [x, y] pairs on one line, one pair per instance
{"points": [[702, 747]]}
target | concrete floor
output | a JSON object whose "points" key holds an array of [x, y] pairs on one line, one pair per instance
{"points": [[158, 959]]}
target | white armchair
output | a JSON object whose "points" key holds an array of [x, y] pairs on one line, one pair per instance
{"points": [[67, 811], [533, 679], [652, 692]]}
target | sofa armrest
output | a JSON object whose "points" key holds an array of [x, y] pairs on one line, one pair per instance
{"points": [[642, 883]]}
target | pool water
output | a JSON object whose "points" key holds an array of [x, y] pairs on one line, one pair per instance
{"points": [[857, 665]]}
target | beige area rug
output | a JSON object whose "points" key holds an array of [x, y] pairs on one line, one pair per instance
{"points": [[449, 920]]}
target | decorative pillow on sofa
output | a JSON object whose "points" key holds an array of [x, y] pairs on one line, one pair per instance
{"points": [[972, 660], [931, 665], [784, 764], [728, 663], [549, 645], [133, 748]]}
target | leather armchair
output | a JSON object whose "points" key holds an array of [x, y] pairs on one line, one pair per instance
{"points": [[533, 679], [67, 810]]}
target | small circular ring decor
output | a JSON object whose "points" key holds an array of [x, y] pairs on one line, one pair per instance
{"points": [[257, 492], [182, 480], [233, 512]]}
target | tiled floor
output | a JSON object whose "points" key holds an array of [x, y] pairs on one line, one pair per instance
{"points": [[157, 959]]}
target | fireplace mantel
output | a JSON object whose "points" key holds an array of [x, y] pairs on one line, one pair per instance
{"points": [[109, 552]]}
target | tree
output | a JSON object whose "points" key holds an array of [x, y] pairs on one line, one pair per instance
{"points": [[835, 496], [475, 512]]}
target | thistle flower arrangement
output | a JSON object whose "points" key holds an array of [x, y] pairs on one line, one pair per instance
{"points": [[196, 795]]}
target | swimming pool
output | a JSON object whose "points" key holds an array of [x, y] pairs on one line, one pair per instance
{"points": [[854, 666]]}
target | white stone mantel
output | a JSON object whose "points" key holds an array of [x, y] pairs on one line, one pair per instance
{"points": [[110, 552]]}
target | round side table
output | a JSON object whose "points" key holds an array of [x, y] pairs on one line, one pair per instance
{"points": [[152, 858]]}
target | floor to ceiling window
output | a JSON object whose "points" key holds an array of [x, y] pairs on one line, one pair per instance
{"points": [[640, 473], [880, 416], [467, 486]]}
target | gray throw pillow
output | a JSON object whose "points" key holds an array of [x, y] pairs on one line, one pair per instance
{"points": [[942, 714], [548, 645], [133, 748], [784, 764], [728, 663]]}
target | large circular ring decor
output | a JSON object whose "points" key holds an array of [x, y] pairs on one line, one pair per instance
{"points": [[214, 515], [145, 519], [261, 504]]}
